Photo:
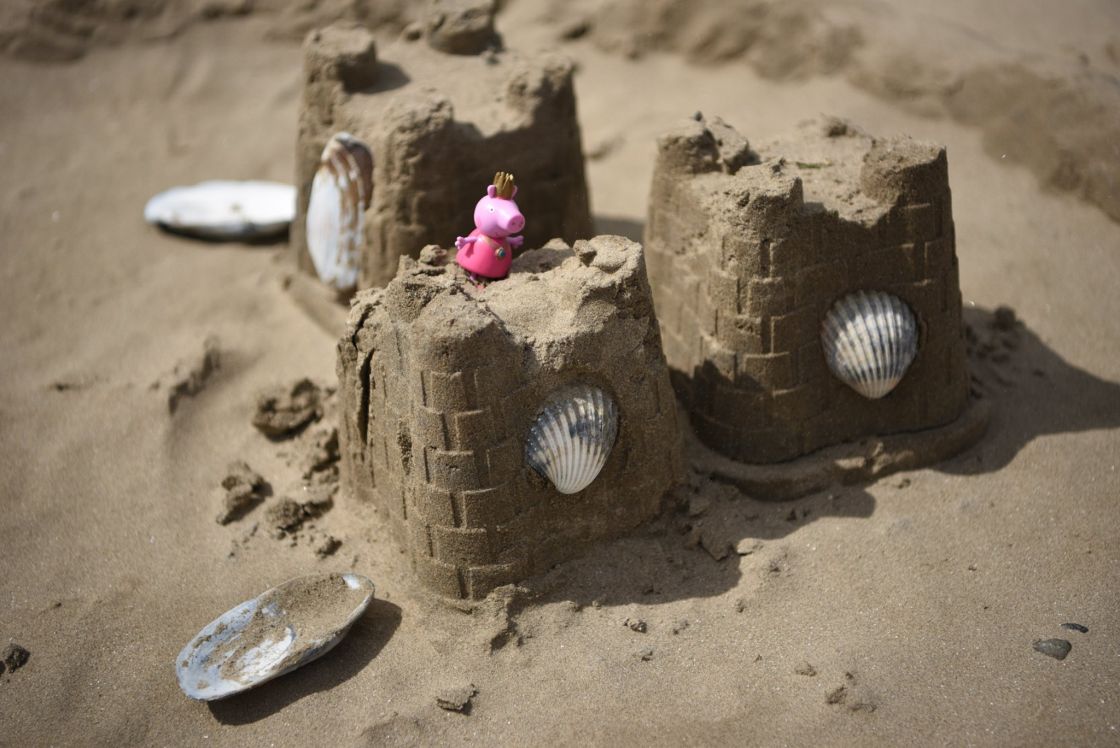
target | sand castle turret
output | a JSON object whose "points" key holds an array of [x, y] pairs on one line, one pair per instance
{"points": [[443, 383], [440, 110], [749, 251]]}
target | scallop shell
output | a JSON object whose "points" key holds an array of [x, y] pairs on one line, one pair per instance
{"points": [[572, 437], [340, 195], [274, 633], [224, 210], [870, 338]]}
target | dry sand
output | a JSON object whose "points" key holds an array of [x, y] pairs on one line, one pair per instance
{"points": [[902, 611]]}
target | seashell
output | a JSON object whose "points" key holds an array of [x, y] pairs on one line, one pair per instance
{"points": [[272, 634], [224, 210], [572, 437], [870, 338], [340, 195]]}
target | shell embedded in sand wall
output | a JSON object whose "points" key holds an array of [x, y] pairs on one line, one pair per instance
{"points": [[340, 195], [870, 338], [572, 437]]}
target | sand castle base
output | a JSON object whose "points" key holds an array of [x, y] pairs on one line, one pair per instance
{"points": [[862, 461]]}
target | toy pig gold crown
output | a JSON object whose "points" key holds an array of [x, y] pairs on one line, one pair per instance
{"points": [[503, 185]]}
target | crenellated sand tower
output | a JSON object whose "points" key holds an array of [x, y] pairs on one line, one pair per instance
{"points": [[441, 110], [748, 251], [441, 382]]}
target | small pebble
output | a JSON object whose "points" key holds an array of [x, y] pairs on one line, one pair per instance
{"points": [[797, 514], [457, 699], [646, 654], [717, 548], [14, 656], [327, 546], [242, 489], [1004, 318], [1076, 627], [747, 546], [834, 127], [806, 669], [576, 29], [635, 624], [282, 410], [1056, 648], [698, 505]]}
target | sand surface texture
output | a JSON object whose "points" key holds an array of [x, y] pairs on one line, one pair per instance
{"points": [[919, 609]]}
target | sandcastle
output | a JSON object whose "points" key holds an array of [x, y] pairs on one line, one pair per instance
{"points": [[445, 381], [438, 109], [442, 380], [748, 251]]}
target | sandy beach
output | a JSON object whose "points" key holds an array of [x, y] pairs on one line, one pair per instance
{"points": [[899, 611]]}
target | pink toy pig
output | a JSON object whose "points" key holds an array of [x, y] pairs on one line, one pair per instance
{"points": [[488, 251]]}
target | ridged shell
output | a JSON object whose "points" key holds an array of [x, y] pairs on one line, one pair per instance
{"points": [[870, 338], [572, 437], [340, 194], [223, 210]]}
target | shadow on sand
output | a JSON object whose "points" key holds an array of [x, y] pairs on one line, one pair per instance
{"points": [[620, 227], [1035, 392], [694, 549]]}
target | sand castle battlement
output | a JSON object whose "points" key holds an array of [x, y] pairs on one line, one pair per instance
{"points": [[441, 109], [748, 251], [440, 382]]}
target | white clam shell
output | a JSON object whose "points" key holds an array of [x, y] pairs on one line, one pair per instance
{"points": [[272, 634], [340, 195], [224, 210], [572, 437], [870, 339]]}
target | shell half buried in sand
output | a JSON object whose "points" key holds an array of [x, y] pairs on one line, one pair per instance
{"points": [[272, 634], [224, 210], [572, 437], [870, 340], [340, 195]]}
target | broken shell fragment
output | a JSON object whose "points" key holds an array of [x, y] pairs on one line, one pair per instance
{"points": [[869, 340], [572, 437], [272, 634], [340, 195], [224, 210]]}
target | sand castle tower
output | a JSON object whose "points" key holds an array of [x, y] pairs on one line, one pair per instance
{"points": [[748, 252], [443, 385], [439, 110]]}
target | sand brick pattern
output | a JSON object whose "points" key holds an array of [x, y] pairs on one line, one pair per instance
{"points": [[440, 384], [744, 269], [439, 126]]}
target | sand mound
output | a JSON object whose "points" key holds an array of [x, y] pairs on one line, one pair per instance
{"points": [[65, 30], [1053, 109]]}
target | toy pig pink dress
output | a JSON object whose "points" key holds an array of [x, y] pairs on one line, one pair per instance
{"points": [[487, 252]]}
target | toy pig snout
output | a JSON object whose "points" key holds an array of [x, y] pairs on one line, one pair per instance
{"points": [[509, 218]]}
